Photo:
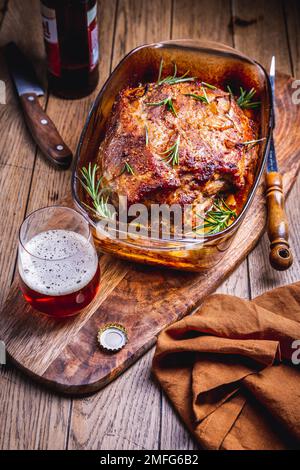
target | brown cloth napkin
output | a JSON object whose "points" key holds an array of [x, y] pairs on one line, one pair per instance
{"points": [[230, 371]]}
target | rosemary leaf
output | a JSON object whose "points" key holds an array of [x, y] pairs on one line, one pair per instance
{"points": [[230, 90], [127, 168], [205, 95], [203, 98], [167, 102], [146, 136], [208, 85], [251, 143], [160, 71], [172, 153]]}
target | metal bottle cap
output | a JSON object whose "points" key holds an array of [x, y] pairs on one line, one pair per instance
{"points": [[112, 337]]}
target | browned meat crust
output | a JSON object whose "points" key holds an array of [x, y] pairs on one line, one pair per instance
{"points": [[212, 157]]}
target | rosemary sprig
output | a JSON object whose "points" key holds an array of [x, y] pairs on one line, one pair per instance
{"points": [[172, 79], [244, 100], [167, 102], [202, 98], [172, 153], [146, 136], [95, 191], [127, 168], [217, 218]]}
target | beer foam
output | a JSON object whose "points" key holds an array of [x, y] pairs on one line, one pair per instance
{"points": [[57, 262]]}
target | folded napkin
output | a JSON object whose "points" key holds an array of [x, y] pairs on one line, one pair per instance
{"points": [[231, 370]]}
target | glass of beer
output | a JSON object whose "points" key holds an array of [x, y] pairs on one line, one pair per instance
{"points": [[57, 261]]}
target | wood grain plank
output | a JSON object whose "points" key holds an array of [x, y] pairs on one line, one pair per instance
{"points": [[123, 416], [188, 21], [138, 22], [259, 31], [265, 36], [292, 15], [31, 418], [202, 19], [48, 415]]}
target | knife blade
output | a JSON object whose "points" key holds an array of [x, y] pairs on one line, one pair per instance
{"points": [[272, 161], [39, 124], [272, 82], [277, 225]]}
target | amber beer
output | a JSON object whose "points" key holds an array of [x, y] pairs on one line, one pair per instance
{"points": [[59, 272], [72, 49]]}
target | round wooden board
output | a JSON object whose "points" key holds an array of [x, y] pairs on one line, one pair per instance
{"points": [[65, 355]]}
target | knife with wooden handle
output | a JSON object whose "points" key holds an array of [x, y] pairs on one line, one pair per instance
{"points": [[40, 125], [277, 225]]}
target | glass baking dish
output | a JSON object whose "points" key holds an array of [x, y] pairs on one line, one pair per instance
{"points": [[213, 63]]}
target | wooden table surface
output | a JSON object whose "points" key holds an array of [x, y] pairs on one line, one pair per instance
{"points": [[132, 412]]}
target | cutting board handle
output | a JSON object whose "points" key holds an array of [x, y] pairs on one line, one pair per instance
{"points": [[280, 255]]}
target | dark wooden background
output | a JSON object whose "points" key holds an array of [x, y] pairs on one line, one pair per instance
{"points": [[132, 412]]}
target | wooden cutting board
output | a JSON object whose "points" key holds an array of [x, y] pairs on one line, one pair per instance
{"points": [[65, 354]]}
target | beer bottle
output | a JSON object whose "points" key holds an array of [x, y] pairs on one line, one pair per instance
{"points": [[71, 41]]}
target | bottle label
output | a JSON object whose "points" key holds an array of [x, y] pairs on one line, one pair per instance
{"points": [[93, 36], [51, 40]]}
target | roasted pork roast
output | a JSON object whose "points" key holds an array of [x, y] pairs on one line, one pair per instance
{"points": [[183, 143]]}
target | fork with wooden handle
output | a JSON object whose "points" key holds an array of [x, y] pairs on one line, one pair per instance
{"points": [[280, 254]]}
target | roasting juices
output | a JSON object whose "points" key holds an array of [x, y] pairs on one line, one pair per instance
{"points": [[59, 272]]}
